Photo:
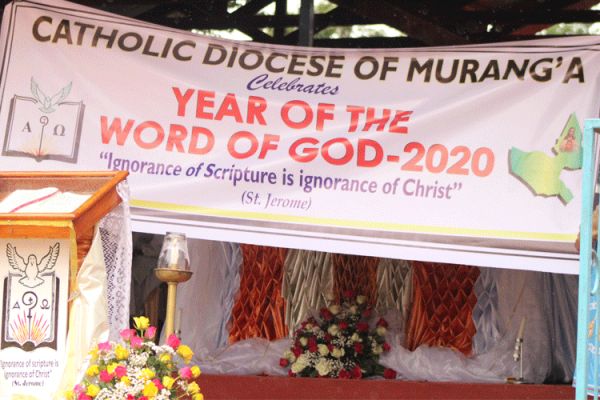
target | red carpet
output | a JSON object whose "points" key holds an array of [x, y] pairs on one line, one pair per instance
{"points": [[266, 387]]}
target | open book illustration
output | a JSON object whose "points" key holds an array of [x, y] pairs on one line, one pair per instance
{"points": [[44, 127]]}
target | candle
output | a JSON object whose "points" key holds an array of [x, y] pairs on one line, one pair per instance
{"points": [[521, 329], [173, 257]]}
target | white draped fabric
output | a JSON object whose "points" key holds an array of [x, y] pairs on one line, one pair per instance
{"points": [[206, 300], [546, 301]]}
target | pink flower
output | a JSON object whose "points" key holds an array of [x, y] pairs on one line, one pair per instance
{"points": [[105, 376], [185, 373], [290, 373], [297, 351], [120, 371], [158, 384], [150, 332], [126, 334], [343, 325], [136, 342], [104, 346], [386, 347], [83, 396], [173, 341], [78, 389], [284, 362], [362, 327]]}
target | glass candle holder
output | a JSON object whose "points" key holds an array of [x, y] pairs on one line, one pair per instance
{"points": [[174, 253]]}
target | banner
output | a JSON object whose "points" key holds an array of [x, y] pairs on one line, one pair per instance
{"points": [[33, 328], [463, 154]]}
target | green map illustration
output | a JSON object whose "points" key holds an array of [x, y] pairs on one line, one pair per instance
{"points": [[541, 172]]}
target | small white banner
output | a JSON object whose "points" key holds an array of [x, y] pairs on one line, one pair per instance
{"points": [[34, 277]]}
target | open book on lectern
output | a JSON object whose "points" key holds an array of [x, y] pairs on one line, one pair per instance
{"points": [[43, 130]]}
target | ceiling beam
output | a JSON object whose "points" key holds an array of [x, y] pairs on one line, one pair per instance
{"points": [[404, 20]]}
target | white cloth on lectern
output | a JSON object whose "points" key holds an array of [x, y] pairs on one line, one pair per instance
{"points": [[115, 229]]}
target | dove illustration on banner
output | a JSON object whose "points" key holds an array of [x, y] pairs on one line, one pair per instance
{"points": [[32, 269], [47, 104]]}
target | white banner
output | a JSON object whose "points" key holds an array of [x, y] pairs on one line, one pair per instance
{"points": [[464, 154], [33, 328]]}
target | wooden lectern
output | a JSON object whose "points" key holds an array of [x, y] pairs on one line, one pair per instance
{"points": [[40, 256]]}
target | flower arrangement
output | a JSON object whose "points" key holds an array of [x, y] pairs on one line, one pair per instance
{"points": [[138, 369], [341, 344]]}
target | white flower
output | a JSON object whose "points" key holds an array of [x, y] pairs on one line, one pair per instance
{"points": [[377, 349], [381, 330], [337, 352], [354, 309], [308, 327], [300, 364], [303, 341], [333, 330], [335, 309], [356, 337], [361, 299], [323, 367], [323, 350]]}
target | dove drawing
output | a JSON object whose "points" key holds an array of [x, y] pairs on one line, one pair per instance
{"points": [[48, 104], [32, 269]]}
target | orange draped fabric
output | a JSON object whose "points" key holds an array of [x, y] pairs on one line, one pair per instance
{"points": [[259, 309], [355, 273], [442, 309]]}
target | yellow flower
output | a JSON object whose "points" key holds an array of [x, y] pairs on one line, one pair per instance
{"points": [[193, 388], [121, 352], [92, 370], [150, 389], [185, 352], [165, 357], [196, 371], [92, 390], [141, 323], [168, 382], [94, 353], [110, 368], [198, 396], [125, 379], [69, 395], [147, 373]]}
